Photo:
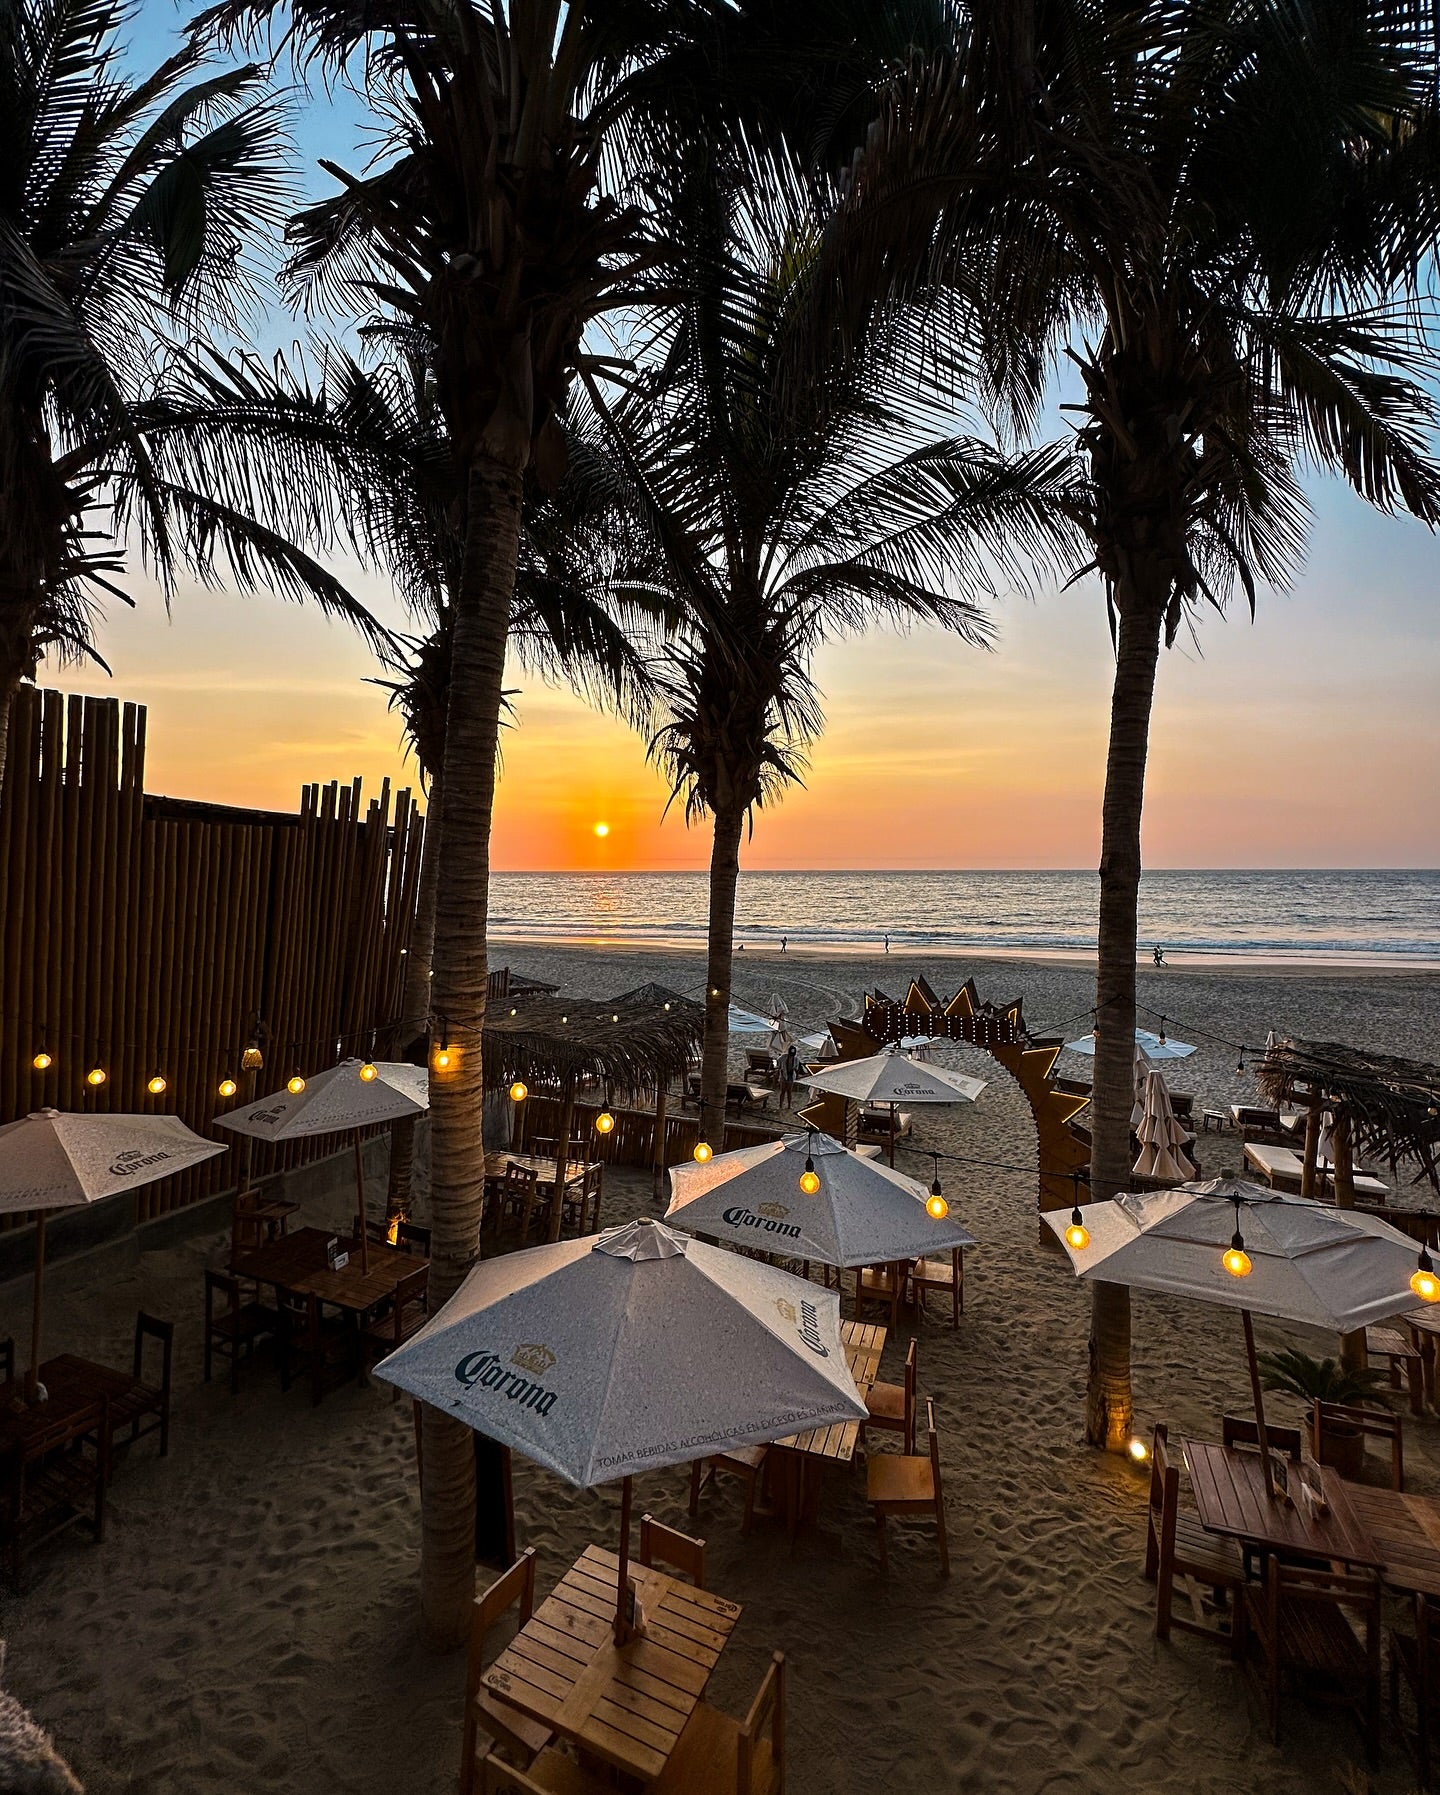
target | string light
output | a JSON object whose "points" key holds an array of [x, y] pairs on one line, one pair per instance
{"points": [[1235, 1259], [368, 1074], [1162, 1043], [810, 1178], [252, 1060], [295, 1084], [156, 1084], [42, 1061], [935, 1205], [1077, 1235], [442, 1052], [227, 1086], [1423, 1280], [604, 1122], [518, 1091], [96, 1075], [704, 1152]]}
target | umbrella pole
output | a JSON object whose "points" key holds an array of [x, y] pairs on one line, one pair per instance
{"points": [[892, 1133], [360, 1204], [1262, 1437], [32, 1376], [622, 1632]]}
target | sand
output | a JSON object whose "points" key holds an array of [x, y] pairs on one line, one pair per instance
{"points": [[248, 1623]]}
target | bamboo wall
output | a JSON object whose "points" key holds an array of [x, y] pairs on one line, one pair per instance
{"points": [[150, 934]]}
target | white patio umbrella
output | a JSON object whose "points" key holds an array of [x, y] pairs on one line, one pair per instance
{"points": [[746, 1022], [859, 1213], [890, 1077], [1152, 1045], [779, 1009], [338, 1100], [599, 1358], [58, 1160], [1260, 1251], [1163, 1141]]}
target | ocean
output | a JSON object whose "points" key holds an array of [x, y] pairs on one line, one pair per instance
{"points": [[1345, 917]]}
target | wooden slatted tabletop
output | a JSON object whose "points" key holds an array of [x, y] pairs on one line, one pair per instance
{"points": [[1229, 1489], [626, 1704], [543, 1167], [297, 1262], [1406, 1528], [863, 1342]]}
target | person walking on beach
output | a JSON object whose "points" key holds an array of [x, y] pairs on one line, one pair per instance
{"points": [[789, 1066], [887, 944], [782, 944], [1158, 954]]}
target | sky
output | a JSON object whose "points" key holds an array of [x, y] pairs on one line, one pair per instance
{"points": [[1308, 738]]}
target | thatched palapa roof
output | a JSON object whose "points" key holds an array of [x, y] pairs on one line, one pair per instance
{"points": [[1393, 1104], [626, 1043]]}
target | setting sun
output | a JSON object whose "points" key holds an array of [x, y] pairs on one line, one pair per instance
{"points": [[602, 829]]}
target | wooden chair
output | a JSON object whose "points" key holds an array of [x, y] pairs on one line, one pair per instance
{"points": [[1374, 1424], [412, 1238], [670, 1547], [145, 1408], [905, 1485], [248, 1232], [325, 1345], [892, 1406], [941, 1274], [1243, 1430], [747, 1463], [54, 1482], [407, 1313], [552, 1773], [519, 1192], [233, 1323], [1401, 1359], [506, 1726], [1415, 1658], [592, 1196], [1321, 1628], [880, 1286], [1176, 1545], [716, 1755]]}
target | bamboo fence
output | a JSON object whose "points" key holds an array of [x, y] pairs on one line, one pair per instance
{"points": [[153, 936]]}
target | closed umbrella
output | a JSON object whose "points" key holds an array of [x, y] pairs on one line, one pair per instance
{"points": [[57, 1160], [1162, 1140], [340, 1100], [1260, 1251], [890, 1077], [600, 1358], [859, 1213]]}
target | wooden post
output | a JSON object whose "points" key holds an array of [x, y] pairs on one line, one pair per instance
{"points": [[1342, 1172], [622, 1632], [360, 1204], [894, 1119], [1312, 1146], [658, 1150], [32, 1376], [562, 1158]]}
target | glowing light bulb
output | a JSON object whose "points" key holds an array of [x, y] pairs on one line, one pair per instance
{"points": [[156, 1085], [1423, 1280], [227, 1087], [252, 1060], [1138, 1450], [95, 1076], [1236, 1260], [935, 1205], [604, 1122], [42, 1061], [809, 1178], [368, 1074], [704, 1152], [518, 1092], [295, 1084], [1077, 1235], [442, 1059]]}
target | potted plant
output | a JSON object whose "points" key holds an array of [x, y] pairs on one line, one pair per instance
{"points": [[1325, 1380]]}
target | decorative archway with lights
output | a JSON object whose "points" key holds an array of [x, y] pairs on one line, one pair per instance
{"points": [[999, 1029]]}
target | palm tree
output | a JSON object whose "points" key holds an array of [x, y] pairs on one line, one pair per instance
{"points": [[796, 487], [126, 208], [1218, 212]]}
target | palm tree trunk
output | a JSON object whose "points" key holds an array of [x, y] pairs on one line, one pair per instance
{"points": [[714, 1065], [457, 1002], [415, 999], [1109, 1408]]}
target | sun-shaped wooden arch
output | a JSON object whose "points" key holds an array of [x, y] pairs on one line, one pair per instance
{"points": [[1000, 1031]]}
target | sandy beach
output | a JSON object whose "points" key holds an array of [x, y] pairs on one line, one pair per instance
{"points": [[248, 1623]]}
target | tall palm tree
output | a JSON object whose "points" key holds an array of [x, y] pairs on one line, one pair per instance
{"points": [[127, 209], [1220, 214], [797, 487]]}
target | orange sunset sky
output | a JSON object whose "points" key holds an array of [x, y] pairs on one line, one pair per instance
{"points": [[1310, 738]]}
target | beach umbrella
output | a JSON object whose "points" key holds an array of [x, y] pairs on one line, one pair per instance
{"points": [[606, 1356], [57, 1160], [890, 1077], [340, 1100], [1162, 1140], [779, 1009], [1260, 1251], [859, 1213], [1154, 1047], [746, 1022]]}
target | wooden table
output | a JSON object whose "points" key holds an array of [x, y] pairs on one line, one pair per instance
{"points": [[625, 1704], [863, 1343], [298, 1262], [1407, 1530], [1229, 1490], [74, 1387]]}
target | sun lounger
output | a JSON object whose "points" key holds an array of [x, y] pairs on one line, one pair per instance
{"points": [[1282, 1169]]}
